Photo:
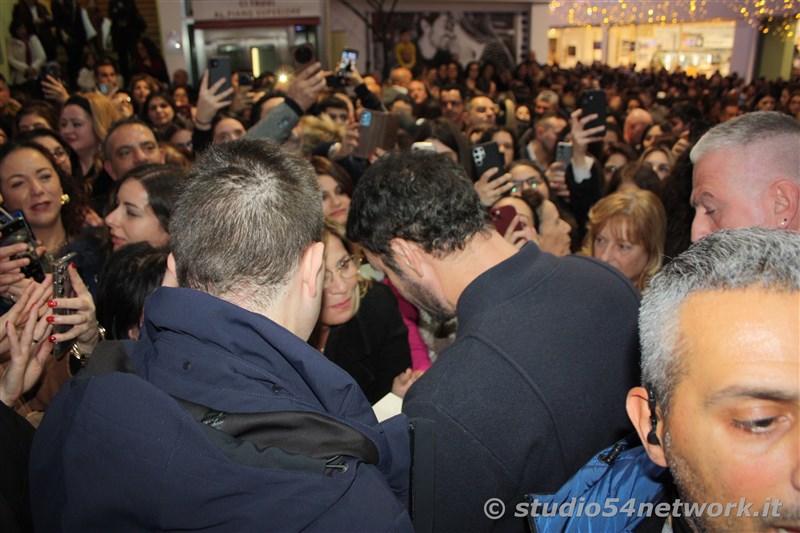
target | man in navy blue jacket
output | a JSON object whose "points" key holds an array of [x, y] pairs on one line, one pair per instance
{"points": [[118, 452], [545, 353]]}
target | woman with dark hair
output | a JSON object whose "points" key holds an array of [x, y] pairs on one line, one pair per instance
{"points": [[486, 83], [159, 113], [61, 152], [360, 327], [472, 73], [635, 175], [36, 114], [129, 276], [25, 56], [616, 157], [54, 205], [447, 140], [506, 140], [336, 187], [150, 61], [141, 205], [534, 211]]}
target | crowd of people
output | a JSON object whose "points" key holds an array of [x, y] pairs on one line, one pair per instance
{"points": [[264, 264]]}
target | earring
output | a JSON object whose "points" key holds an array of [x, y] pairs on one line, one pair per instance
{"points": [[64, 199], [783, 222]]}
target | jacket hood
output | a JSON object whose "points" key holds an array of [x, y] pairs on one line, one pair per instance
{"points": [[234, 360]]}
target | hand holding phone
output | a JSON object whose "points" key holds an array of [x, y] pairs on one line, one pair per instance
{"points": [[218, 68], [486, 156], [62, 288], [594, 102]]}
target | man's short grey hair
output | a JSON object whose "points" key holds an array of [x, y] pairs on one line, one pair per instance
{"points": [[725, 260], [551, 97], [750, 128], [243, 219]]}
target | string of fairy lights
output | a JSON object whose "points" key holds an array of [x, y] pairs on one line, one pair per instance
{"points": [[778, 17]]}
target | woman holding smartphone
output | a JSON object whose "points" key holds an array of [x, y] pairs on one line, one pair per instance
{"points": [[53, 205]]}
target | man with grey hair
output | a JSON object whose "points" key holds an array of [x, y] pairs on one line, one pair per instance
{"points": [[747, 173], [545, 102], [221, 416], [720, 403]]}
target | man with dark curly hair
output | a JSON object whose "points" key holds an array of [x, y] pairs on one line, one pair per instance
{"points": [[546, 348]]}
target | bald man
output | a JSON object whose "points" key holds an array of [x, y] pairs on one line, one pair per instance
{"points": [[635, 123]]}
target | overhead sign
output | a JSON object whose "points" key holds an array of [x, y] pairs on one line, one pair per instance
{"points": [[255, 9]]}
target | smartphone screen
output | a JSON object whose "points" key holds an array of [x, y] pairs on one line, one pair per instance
{"points": [[348, 59]]}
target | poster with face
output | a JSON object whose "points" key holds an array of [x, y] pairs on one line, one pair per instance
{"points": [[440, 36]]}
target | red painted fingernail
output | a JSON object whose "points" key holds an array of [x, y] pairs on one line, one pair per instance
{"points": [[52, 338], [72, 265], [52, 303], [51, 319]]}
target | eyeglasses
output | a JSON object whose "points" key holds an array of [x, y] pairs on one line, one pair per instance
{"points": [[347, 268], [532, 182]]}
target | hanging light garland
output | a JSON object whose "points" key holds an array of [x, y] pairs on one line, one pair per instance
{"points": [[626, 12], [778, 17]]}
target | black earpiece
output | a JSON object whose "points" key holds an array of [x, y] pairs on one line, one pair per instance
{"points": [[652, 437]]}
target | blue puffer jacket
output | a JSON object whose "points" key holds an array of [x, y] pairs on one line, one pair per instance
{"points": [[605, 495], [118, 453]]}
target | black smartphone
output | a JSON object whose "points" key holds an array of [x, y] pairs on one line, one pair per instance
{"points": [[348, 59], [564, 152], [303, 55], [62, 288], [246, 79], [486, 156], [16, 231], [218, 68], [594, 101]]}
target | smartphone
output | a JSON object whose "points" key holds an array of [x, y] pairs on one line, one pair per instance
{"points": [[502, 217], [594, 101], [17, 230], [62, 288], [349, 58], [303, 55], [218, 68], [485, 156], [376, 129], [245, 81], [424, 147], [564, 152]]}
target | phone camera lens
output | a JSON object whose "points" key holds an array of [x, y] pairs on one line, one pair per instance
{"points": [[302, 55]]}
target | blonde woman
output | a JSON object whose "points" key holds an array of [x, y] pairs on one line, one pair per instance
{"points": [[627, 230], [84, 124]]}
